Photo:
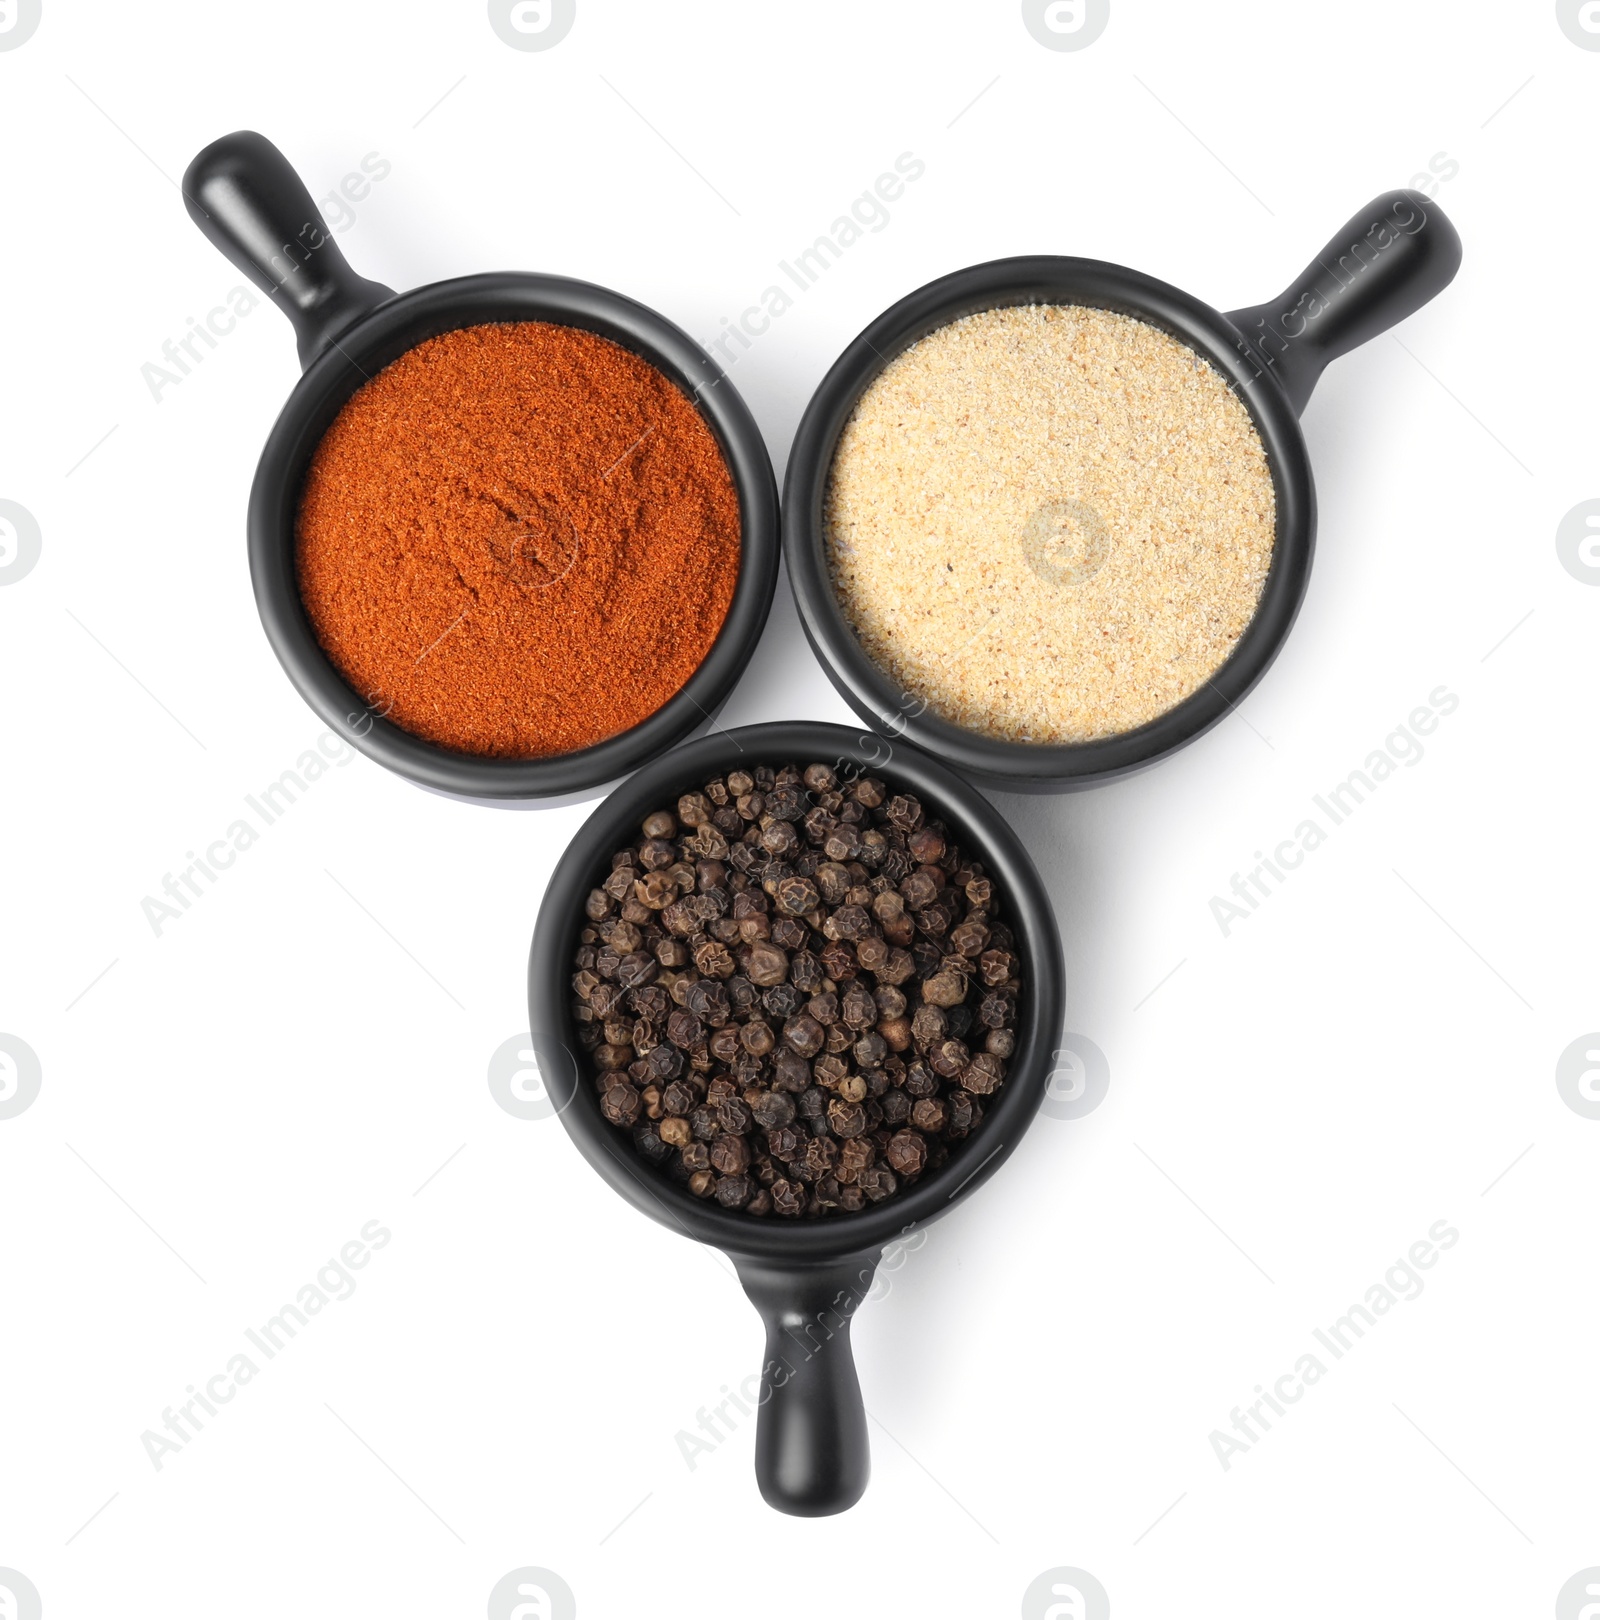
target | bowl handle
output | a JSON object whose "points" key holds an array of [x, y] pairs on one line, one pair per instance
{"points": [[247, 200], [812, 1456], [1395, 255]]}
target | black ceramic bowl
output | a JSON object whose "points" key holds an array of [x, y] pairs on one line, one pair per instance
{"points": [[1386, 263], [806, 1277], [243, 195]]}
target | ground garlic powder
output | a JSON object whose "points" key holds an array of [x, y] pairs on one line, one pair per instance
{"points": [[1053, 523]]}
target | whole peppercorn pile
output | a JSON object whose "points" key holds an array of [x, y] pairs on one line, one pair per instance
{"points": [[795, 991]]}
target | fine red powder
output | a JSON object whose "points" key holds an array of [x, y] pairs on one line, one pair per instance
{"points": [[518, 540]]}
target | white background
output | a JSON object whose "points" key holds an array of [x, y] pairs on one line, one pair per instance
{"points": [[1363, 1057]]}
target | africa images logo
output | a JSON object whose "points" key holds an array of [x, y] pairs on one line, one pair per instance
{"points": [[1580, 22], [1066, 1594], [1579, 1599], [1578, 539], [19, 1597], [1066, 25], [20, 541], [532, 25], [519, 1068], [20, 1078], [532, 1594], [1078, 1081], [18, 19], [1578, 1081]]}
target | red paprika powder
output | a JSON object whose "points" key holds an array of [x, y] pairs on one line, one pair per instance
{"points": [[518, 540]]}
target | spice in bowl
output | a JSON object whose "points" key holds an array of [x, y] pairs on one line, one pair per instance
{"points": [[1051, 522], [518, 540], [796, 992]]}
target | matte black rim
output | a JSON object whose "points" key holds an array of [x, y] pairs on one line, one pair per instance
{"points": [[1042, 280], [363, 350], [977, 825]]}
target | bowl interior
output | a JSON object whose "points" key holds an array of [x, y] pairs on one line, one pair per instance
{"points": [[978, 827], [359, 354], [1003, 284]]}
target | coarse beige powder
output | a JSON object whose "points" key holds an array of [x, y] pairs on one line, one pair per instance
{"points": [[1052, 523]]}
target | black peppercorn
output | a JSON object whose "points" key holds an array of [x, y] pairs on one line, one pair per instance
{"points": [[794, 993]]}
